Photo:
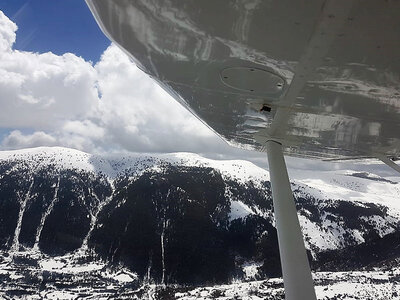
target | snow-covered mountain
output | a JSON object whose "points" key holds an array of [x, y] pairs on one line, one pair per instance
{"points": [[71, 221]]}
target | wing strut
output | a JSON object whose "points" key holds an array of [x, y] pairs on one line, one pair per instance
{"points": [[389, 163], [296, 270]]}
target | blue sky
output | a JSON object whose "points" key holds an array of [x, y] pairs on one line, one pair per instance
{"points": [[58, 26]]}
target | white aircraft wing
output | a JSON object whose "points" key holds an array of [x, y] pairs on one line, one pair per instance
{"points": [[320, 77]]}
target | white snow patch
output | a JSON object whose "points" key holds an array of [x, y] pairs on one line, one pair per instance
{"points": [[15, 276], [51, 265], [60, 295], [239, 210], [124, 277], [250, 269]]}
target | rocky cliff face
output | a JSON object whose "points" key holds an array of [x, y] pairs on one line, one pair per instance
{"points": [[180, 218]]}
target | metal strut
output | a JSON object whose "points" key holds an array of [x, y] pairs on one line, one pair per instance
{"points": [[296, 270]]}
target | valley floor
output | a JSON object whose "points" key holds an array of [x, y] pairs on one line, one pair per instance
{"points": [[32, 275]]}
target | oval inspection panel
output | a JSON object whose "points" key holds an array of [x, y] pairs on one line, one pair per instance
{"points": [[252, 80]]}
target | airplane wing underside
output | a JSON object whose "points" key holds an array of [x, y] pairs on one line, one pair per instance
{"points": [[321, 77]]}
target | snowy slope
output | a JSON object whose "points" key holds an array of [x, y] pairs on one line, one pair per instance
{"points": [[351, 185], [322, 185], [115, 164], [348, 185]]}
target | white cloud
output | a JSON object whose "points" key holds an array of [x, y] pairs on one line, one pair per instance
{"points": [[39, 90], [109, 106], [18, 140], [7, 33]]}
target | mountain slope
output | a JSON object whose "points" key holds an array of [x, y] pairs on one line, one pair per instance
{"points": [[181, 218]]}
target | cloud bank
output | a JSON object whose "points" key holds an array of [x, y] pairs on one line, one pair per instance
{"points": [[47, 99]]}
